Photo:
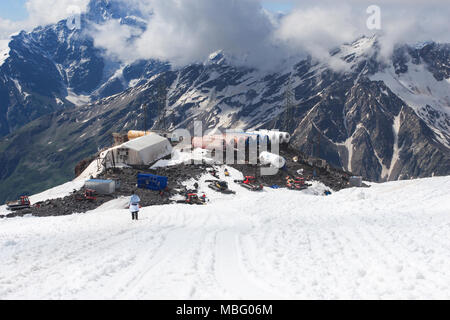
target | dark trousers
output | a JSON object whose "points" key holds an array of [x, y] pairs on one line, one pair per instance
{"points": [[134, 215]]}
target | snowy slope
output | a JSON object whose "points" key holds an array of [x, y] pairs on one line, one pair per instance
{"points": [[4, 51], [50, 194], [389, 241], [65, 189], [429, 98]]}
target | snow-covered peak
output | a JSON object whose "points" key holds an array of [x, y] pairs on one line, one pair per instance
{"points": [[423, 44], [103, 10], [4, 51], [222, 57], [217, 57], [362, 47]]}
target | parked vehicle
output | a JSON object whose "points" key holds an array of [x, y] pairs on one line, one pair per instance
{"points": [[193, 198], [250, 183], [220, 186], [22, 203], [296, 184], [89, 195]]}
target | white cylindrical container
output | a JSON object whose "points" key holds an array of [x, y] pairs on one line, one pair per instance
{"points": [[263, 140], [272, 159], [283, 137], [270, 136], [253, 139], [288, 137], [230, 142], [241, 141], [275, 136]]}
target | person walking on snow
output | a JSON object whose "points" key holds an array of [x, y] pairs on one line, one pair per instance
{"points": [[134, 206]]}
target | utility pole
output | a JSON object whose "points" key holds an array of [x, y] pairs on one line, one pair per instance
{"points": [[316, 141], [318, 144], [289, 97], [145, 116], [162, 101]]}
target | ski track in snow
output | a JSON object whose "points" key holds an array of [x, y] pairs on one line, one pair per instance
{"points": [[389, 241]]}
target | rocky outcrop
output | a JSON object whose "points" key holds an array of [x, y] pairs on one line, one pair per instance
{"points": [[53, 68]]}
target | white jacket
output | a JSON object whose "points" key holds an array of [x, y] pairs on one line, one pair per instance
{"points": [[134, 203]]}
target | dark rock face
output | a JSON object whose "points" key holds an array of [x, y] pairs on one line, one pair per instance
{"points": [[49, 65], [435, 56], [420, 153]]}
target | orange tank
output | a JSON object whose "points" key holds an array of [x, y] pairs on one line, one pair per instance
{"points": [[208, 142], [133, 134]]}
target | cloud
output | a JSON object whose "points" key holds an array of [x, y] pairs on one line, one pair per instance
{"points": [[41, 12], [118, 40], [316, 30], [190, 30], [186, 31], [8, 27], [413, 23]]}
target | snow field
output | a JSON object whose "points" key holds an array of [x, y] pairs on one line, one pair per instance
{"points": [[389, 241]]}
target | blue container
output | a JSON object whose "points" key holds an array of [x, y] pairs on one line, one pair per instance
{"points": [[152, 182]]}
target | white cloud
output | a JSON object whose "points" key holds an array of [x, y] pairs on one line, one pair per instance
{"points": [[44, 12], [414, 23], [185, 31], [316, 30], [41, 12], [189, 30], [117, 40], [8, 27]]}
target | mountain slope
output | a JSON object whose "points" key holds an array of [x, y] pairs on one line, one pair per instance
{"points": [[54, 67]]}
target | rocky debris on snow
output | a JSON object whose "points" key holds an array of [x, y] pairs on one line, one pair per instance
{"points": [[297, 164], [127, 179], [74, 203]]}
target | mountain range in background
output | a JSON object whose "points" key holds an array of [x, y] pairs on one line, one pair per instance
{"points": [[61, 98]]}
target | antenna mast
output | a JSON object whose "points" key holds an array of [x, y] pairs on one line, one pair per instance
{"points": [[162, 102], [145, 116], [289, 105]]}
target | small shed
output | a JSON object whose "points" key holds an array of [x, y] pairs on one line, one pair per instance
{"points": [[142, 151], [356, 181], [101, 186]]}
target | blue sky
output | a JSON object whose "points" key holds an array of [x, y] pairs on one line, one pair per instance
{"points": [[276, 6], [15, 9]]}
